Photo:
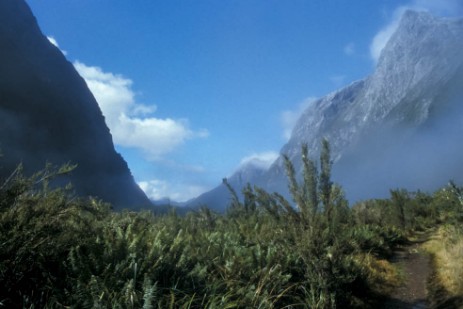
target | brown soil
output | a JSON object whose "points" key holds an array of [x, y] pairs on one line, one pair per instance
{"points": [[415, 265]]}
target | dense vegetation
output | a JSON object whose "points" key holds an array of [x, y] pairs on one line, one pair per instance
{"points": [[57, 250]]}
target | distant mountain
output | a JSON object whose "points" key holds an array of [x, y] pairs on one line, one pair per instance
{"points": [[399, 127], [48, 114], [219, 197]]}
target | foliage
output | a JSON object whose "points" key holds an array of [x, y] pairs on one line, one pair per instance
{"points": [[57, 250], [446, 247]]}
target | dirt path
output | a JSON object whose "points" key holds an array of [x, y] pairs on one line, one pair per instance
{"points": [[415, 265]]}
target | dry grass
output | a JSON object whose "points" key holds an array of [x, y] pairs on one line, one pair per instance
{"points": [[383, 277], [446, 246]]}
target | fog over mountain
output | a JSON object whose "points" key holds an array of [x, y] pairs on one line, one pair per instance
{"points": [[48, 114], [399, 127]]}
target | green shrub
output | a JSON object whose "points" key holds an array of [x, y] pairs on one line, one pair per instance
{"points": [[57, 250]]}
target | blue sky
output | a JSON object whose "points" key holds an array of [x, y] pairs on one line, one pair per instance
{"points": [[192, 89]]}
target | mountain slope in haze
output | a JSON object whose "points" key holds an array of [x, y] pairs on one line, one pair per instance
{"points": [[48, 114], [220, 197], [399, 127]]}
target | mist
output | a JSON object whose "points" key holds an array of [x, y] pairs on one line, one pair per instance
{"points": [[406, 155]]}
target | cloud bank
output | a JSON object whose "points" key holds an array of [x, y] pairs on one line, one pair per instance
{"points": [[290, 117], [132, 124], [435, 7], [157, 190], [261, 160], [55, 43]]}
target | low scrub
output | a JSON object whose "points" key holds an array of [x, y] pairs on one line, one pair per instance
{"points": [[59, 251]]}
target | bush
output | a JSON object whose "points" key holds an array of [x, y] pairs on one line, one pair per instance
{"points": [[57, 250]]}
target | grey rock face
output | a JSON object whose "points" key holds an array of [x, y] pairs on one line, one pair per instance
{"points": [[400, 126], [48, 114], [404, 102], [422, 56]]}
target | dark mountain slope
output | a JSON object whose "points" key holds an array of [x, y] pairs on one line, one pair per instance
{"points": [[47, 113]]}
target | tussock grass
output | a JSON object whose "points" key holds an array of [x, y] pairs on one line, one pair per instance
{"points": [[59, 251], [446, 246], [382, 276]]}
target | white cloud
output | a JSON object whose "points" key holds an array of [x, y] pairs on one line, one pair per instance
{"points": [[54, 42], [349, 49], [383, 36], [261, 160], [436, 7], [290, 117], [131, 123], [157, 189]]}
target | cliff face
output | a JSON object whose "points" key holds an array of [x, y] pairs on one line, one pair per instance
{"points": [[400, 126], [48, 114], [422, 57]]}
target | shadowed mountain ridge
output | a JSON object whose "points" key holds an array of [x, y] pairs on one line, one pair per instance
{"points": [[48, 114]]}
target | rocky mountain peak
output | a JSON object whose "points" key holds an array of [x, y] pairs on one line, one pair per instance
{"points": [[423, 54], [398, 127]]}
